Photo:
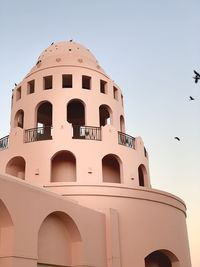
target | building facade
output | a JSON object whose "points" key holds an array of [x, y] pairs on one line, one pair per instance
{"points": [[75, 187]]}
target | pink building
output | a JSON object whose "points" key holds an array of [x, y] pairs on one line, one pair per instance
{"points": [[74, 187]]}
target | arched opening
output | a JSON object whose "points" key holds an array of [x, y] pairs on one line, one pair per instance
{"points": [[44, 121], [59, 241], [63, 167], [76, 112], [161, 258], [122, 124], [16, 167], [111, 169], [19, 119], [105, 114], [142, 175], [44, 114], [6, 231]]}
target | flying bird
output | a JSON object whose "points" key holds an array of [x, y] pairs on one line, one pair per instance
{"points": [[192, 98], [197, 76], [177, 138], [52, 43], [15, 84]]}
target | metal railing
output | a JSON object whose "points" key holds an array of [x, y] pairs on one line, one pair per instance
{"points": [[37, 134], [86, 132], [126, 140], [4, 142]]}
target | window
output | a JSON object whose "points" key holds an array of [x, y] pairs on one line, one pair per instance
{"points": [[122, 99], [86, 82], [67, 81], [76, 112], [103, 87], [105, 115], [115, 93], [19, 119], [31, 87], [48, 82], [18, 93]]}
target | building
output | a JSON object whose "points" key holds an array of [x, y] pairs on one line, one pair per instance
{"points": [[74, 187]]}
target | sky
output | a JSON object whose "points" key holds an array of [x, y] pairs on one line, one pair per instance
{"points": [[150, 49]]}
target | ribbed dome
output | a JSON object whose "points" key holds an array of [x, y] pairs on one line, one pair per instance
{"points": [[67, 53]]}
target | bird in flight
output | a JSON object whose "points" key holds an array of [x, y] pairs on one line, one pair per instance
{"points": [[177, 138], [192, 98], [15, 84], [197, 76]]}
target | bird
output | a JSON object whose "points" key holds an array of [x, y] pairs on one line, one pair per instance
{"points": [[15, 84], [192, 98], [197, 76], [177, 138], [52, 43]]}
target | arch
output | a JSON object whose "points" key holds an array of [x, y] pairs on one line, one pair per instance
{"points": [[142, 175], [161, 258], [59, 240], [44, 116], [6, 230], [76, 112], [16, 167], [105, 115], [63, 167], [19, 119], [111, 169], [44, 111], [122, 124]]}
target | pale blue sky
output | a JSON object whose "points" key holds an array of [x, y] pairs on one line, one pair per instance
{"points": [[149, 48]]}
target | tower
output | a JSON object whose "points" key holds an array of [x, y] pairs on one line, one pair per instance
{"points": [[68, 137]]}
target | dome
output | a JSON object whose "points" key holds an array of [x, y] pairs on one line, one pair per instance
{"points": [[67, 53]]}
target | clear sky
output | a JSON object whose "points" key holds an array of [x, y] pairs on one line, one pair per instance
{"points": [[149, 48]]}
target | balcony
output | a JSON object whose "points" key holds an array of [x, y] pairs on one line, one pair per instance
{"points": [[86, 132], [126, 140], [37, 134], [4, 142]]}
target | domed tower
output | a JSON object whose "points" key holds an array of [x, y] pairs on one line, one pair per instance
{"points": [[68, 136], [68, 126]]}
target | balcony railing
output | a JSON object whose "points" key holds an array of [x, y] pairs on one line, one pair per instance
{"points": [[126, 140], [86, 132], [37, 134], [4, 142]]}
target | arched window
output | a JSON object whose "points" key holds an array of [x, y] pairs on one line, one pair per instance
{"points": [[105, 115], [76, 112], [44, 121], [16, 167], [63, 167], [19, 119], [111, 169], [161, 258], [44, 114], [142, 175], [59, 240], [122, 124]]}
